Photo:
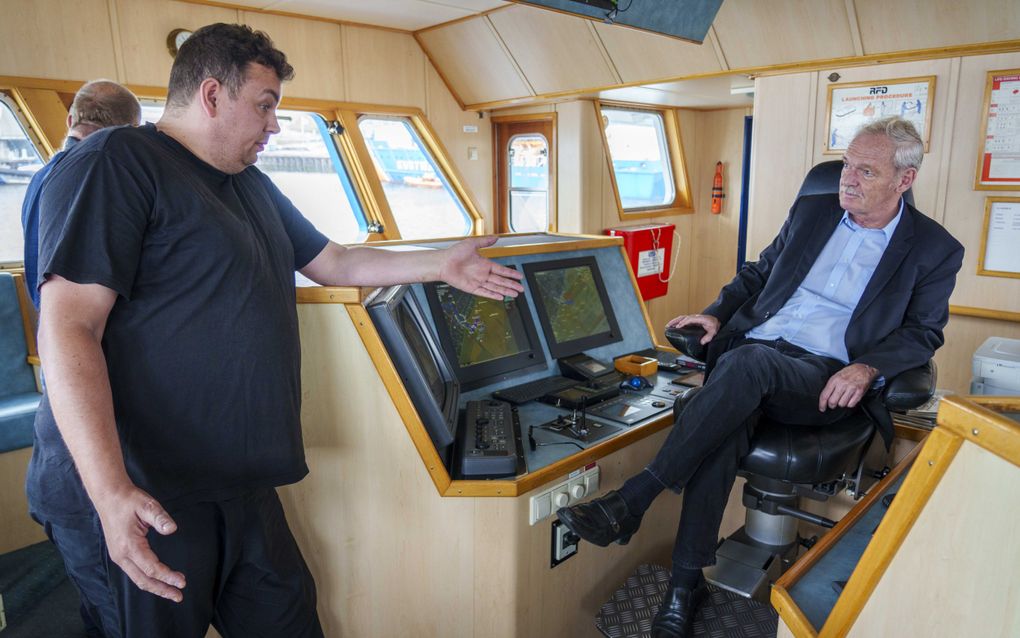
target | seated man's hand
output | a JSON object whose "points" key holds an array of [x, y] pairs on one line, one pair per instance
{"points": [[126, 517], [465, 269], [846, 388], [708, 322]]}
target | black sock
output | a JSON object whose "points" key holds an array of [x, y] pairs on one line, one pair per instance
{"points": [[639, 491], [684, 577]]}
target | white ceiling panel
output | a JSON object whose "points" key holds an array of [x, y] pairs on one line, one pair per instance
{"points": [[410, 15]]}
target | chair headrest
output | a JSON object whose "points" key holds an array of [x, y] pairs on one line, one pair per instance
{"points": [[823, 178]]}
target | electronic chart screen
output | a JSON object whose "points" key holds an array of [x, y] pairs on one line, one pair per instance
{"points": [[484, 339], [573, 305]]}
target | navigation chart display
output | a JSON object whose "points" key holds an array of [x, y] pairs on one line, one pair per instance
{"points": [[484, 338], [480, 328], [573, 306]]}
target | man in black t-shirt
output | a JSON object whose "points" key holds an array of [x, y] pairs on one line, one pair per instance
{"points": [[170, 343]]}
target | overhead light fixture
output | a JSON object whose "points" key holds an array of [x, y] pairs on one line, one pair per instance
{"points": [[742, 90]]}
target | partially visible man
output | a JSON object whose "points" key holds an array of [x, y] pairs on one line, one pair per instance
{"points": [[169, 336], [97, 105], [854, 289]]}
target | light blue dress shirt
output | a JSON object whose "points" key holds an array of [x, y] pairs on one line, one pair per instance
{"points": [[817, 315]]}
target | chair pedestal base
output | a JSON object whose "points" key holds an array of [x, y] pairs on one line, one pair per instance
{"points": [[747, 568]]}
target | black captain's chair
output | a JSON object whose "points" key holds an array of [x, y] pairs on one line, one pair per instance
{"points": [[787, 460]]}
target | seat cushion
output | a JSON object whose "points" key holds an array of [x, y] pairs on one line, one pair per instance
{"points": [[17, 419], [807, 453], [16, 375]]}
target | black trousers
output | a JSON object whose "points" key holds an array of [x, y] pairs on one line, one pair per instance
{"points": [[704, 448], [245, 574]]}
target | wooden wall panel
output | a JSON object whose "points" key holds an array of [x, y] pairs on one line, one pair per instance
{"points": [[313, 49], [714, 242], [46, 39], [17, 530], [780, 154], [573, 184], [934, 23], [556, 52], [143, 27], [383, 67], [474, 61], [965, 207], [638, 55], [449, 122], [963, 336], [753, 33], [961, 551]]}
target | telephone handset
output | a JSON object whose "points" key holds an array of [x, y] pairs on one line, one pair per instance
{"points": [[583, 367]]}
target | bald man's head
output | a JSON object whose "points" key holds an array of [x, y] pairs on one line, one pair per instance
{"points": [[102, 103]]}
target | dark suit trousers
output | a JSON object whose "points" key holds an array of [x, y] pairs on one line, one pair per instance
{"points": [[701, 454]]}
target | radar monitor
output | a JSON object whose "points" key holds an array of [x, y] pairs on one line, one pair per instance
{"points": [[484, 339], [573, 305]]}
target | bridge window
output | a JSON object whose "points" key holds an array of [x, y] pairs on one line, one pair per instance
{"points": [[303, 162], [646, 159], [19, 160], [421, 198]]}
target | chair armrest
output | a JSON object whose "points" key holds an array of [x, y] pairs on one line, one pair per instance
{"points": [[910, 388], [688, 341]]}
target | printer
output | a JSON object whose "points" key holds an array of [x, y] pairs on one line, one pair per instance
{"points": [[996, 367]]}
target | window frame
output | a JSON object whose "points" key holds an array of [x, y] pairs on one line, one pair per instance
{"points": [[377, 201], [505, 127], [683, 203]]}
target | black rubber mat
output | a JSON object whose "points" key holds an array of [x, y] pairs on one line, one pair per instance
{"points": [[629, 613]]}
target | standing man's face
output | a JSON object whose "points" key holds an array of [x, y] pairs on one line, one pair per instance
{"points": [[249, 119], [870, 184]]}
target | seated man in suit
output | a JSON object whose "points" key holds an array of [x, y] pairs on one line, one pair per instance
{"points": [[853, 291]]}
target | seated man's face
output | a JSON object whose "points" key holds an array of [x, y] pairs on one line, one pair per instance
{"points": [[870, 185]]}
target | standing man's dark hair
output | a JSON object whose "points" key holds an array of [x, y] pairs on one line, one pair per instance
{"points": [[222, 51]]}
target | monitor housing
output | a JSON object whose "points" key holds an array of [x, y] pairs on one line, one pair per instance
{"points": [[572, 304], [419, 360], [485, 340]]}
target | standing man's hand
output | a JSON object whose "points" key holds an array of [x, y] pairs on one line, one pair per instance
{"points": [[127, 515], [846, 388], [462, 267], [708, 322]]}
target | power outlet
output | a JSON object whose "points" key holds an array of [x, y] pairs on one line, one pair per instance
{"points": [[564, 543]]}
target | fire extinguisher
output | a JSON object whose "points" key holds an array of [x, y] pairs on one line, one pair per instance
{"points": [[717, 191]]}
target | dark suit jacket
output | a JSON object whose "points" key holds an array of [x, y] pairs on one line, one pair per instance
{"points": [[898, 322]]}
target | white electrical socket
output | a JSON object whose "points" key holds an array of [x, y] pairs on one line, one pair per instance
{"points": [[564, 544]]}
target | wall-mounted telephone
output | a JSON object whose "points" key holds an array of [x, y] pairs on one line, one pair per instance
{"points": [[581, 366]]}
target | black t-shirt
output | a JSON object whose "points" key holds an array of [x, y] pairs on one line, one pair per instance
{"points": [[202, 342]]}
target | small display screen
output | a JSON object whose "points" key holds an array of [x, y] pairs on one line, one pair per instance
{"points": [[573, 305], [481, 329], [572, 302], [484, 339]]}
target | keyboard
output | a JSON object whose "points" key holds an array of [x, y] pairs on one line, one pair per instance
{"points": [[533, 390], [488, 446]]}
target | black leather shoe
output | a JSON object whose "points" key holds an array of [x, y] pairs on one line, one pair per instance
{"points": [[676, 614], [601, 521]]}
